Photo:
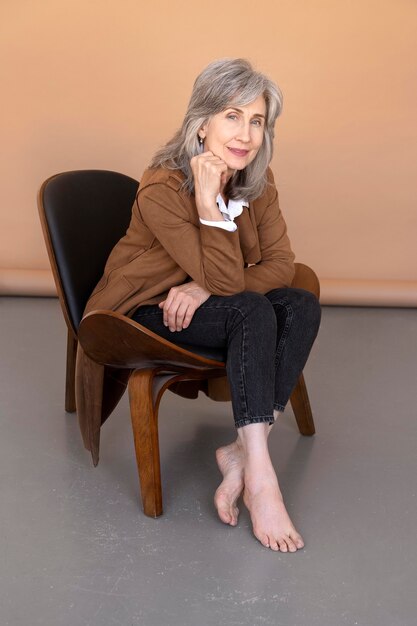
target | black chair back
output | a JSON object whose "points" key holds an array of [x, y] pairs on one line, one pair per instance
{"points": [[84, 213]]}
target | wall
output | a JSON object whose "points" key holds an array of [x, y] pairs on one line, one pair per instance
{"points": [[101, 84]]}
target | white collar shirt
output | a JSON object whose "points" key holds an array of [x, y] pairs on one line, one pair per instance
{"points": [[233, 209]]}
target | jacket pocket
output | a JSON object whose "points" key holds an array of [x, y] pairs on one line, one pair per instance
{"points": [[136, 254], [120, 291], [112, 295]]}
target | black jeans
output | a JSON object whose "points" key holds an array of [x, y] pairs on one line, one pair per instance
{"points": [[266, 342]]}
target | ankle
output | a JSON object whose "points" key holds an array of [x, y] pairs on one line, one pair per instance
{"points": [[256, 483], [237, 444], [253, 437]]}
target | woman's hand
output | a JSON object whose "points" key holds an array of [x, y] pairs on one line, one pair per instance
{"points": [[181, 303], [210, 175]]}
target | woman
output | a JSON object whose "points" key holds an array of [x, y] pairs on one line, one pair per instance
{"points": [[206, 261]]}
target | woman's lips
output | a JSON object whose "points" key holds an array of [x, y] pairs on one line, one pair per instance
{"points": [[237, 152]]}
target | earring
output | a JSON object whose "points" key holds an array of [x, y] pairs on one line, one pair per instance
{"points": [[200, 140]]}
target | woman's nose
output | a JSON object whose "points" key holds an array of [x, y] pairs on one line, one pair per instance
{"points": [[244, 132]]}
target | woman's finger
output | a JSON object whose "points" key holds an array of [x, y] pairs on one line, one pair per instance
{"points": [[189, 316], [167, 307], [181, 314], [171, 316], [175, 311]]}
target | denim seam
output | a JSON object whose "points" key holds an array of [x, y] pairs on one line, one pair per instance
{"points": [[279, 407], [245, 421], [285, 332], [242, 380], [281, 345]]}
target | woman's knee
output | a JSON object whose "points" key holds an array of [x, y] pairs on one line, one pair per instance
{"points": [[253, 307], [299, 302], [305, 304], [305, 299], [252, 303]]}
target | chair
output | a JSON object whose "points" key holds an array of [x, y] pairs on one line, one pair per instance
{"points": [[120, 351]]}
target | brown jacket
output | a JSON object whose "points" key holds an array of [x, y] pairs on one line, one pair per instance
{"points": [[164, 246]]}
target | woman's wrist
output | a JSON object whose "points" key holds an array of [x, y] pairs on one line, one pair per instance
{"points": [[208, 209]]}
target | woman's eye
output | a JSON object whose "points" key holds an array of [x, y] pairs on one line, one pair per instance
{"points": [[257, 122], [232, 116]]}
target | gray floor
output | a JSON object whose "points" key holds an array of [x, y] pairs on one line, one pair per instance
{"points": [[76, 549]]}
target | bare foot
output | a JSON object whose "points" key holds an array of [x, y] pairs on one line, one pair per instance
{"points": [[230, 461], [270, 520]]}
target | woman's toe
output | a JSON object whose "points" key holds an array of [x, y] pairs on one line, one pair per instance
{"points": [[264, 539], [291, 545], [233, 516], [282, 545], [225, 516], [298, 541], [274, 545]]}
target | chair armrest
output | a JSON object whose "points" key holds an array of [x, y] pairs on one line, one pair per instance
{"points": [[306, 278]]}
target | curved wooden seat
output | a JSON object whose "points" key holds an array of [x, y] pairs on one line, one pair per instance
{"points": [[115, 340]]}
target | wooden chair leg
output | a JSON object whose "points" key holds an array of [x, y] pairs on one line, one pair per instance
{"points": [[70, 373], [144, 414], [89, 377], [302, 409]]}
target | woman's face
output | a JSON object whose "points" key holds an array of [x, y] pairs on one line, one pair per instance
{"points": [[236, 134]]}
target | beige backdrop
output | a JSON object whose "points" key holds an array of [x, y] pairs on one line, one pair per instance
{"points": [[94, 84]]}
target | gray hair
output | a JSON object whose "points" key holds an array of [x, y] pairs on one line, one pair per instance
{"points": [[223, 83]]}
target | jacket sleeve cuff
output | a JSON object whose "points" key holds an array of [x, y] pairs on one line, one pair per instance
{"points": [[229, 226]]}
